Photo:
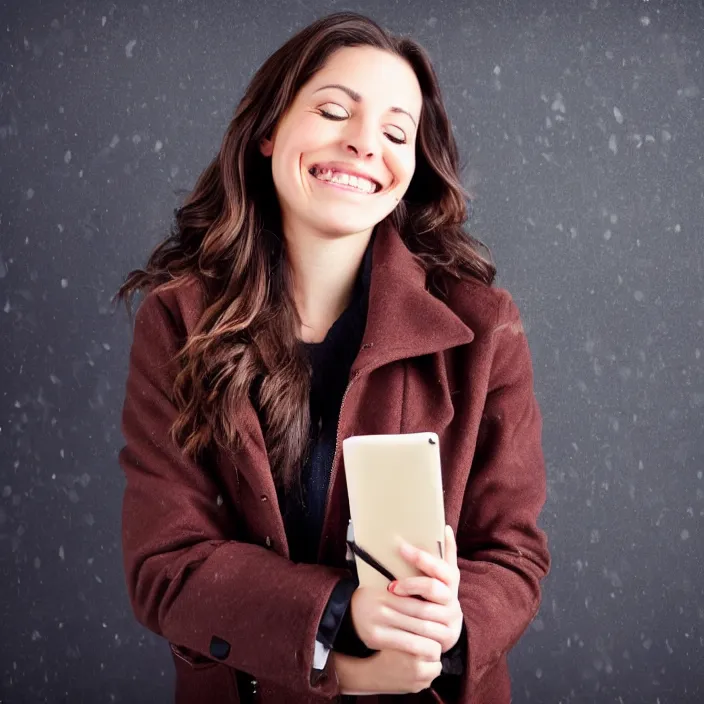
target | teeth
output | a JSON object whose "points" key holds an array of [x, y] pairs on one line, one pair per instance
{"points": [[361, 184]]}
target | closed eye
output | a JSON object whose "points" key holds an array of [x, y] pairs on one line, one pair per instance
{"points": [[330, 116]]}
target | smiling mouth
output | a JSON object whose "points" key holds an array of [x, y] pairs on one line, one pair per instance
{"points": [[377, 186]]}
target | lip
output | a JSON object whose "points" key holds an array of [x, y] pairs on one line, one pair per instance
{"points": [[346, 168]]}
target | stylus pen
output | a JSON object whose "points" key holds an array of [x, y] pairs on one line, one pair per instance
{"points": [[366, 557]]}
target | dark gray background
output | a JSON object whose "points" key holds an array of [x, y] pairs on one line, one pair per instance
{"points": [[580, 127]]}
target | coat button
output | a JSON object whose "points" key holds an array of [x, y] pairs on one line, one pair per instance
{"points": [[219, 648]]}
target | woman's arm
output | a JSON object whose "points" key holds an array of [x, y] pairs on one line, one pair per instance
{"points": [[227, 600], [502, 553], [385, 672], [351, 673]]}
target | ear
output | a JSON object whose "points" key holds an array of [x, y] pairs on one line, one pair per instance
{"points": [[266, 146]]}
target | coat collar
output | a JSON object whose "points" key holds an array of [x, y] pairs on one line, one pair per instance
{"points": [[404, 319]]}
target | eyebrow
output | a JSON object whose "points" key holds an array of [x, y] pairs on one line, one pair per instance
{"points": [[358, 98]]}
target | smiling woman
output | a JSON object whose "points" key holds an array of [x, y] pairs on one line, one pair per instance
{"points": [[319, 284]]}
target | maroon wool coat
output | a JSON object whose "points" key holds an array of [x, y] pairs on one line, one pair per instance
{"points": [[204, 547]]}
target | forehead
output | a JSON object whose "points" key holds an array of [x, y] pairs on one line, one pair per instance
{"points": [[382, 79]]}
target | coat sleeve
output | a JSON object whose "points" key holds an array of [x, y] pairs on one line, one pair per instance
{"points": [[232, 601], [502, 553]]}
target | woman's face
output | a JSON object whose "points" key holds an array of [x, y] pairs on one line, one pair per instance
{"points": [[366, 135]]}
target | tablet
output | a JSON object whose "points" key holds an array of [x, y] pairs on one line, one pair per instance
{"points": [[394, 485]]}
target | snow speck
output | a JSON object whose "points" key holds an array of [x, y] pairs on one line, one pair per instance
{"points": [[558, 105]]}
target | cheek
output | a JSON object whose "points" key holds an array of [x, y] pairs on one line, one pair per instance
{"points": [[301, 150], [310, 133], [403, 166], [409, 166]]}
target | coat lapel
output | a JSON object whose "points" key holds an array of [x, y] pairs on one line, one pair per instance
{"points": [[404, 319]]}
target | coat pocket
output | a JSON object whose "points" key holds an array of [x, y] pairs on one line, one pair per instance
{"points": [[201, 680], [193, 659]]}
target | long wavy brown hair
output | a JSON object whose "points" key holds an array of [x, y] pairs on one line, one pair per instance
{"points": [[227, 236]]}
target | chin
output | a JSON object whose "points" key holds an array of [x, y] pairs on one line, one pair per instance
{"points": [[338, 229], [339, 219]]}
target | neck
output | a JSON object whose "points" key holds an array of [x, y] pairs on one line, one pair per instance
{"points": [[323, 272]]}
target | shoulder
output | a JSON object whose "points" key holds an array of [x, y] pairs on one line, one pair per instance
{"points": [[178, 305], [500, 340], [483, 308]]}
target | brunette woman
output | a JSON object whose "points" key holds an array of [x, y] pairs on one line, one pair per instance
{"points": [[318, 284]]}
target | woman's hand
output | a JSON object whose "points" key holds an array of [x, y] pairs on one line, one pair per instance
{"points": [[386, 672], [380, 624], [439, 617], [424, 628]]}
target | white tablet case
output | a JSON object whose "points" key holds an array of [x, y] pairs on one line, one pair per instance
{"points": [[394, 484]]}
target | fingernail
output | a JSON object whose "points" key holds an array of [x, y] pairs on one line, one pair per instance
{"points": [[392, 586]]}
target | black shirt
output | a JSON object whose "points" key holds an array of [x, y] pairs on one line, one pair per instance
{"points": [[331, 361]]}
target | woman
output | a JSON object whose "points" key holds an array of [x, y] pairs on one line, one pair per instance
{"points": [[319, 285]]}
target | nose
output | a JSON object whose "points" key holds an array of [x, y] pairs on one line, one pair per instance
{"points": [[363, 143], [365, 152]]}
